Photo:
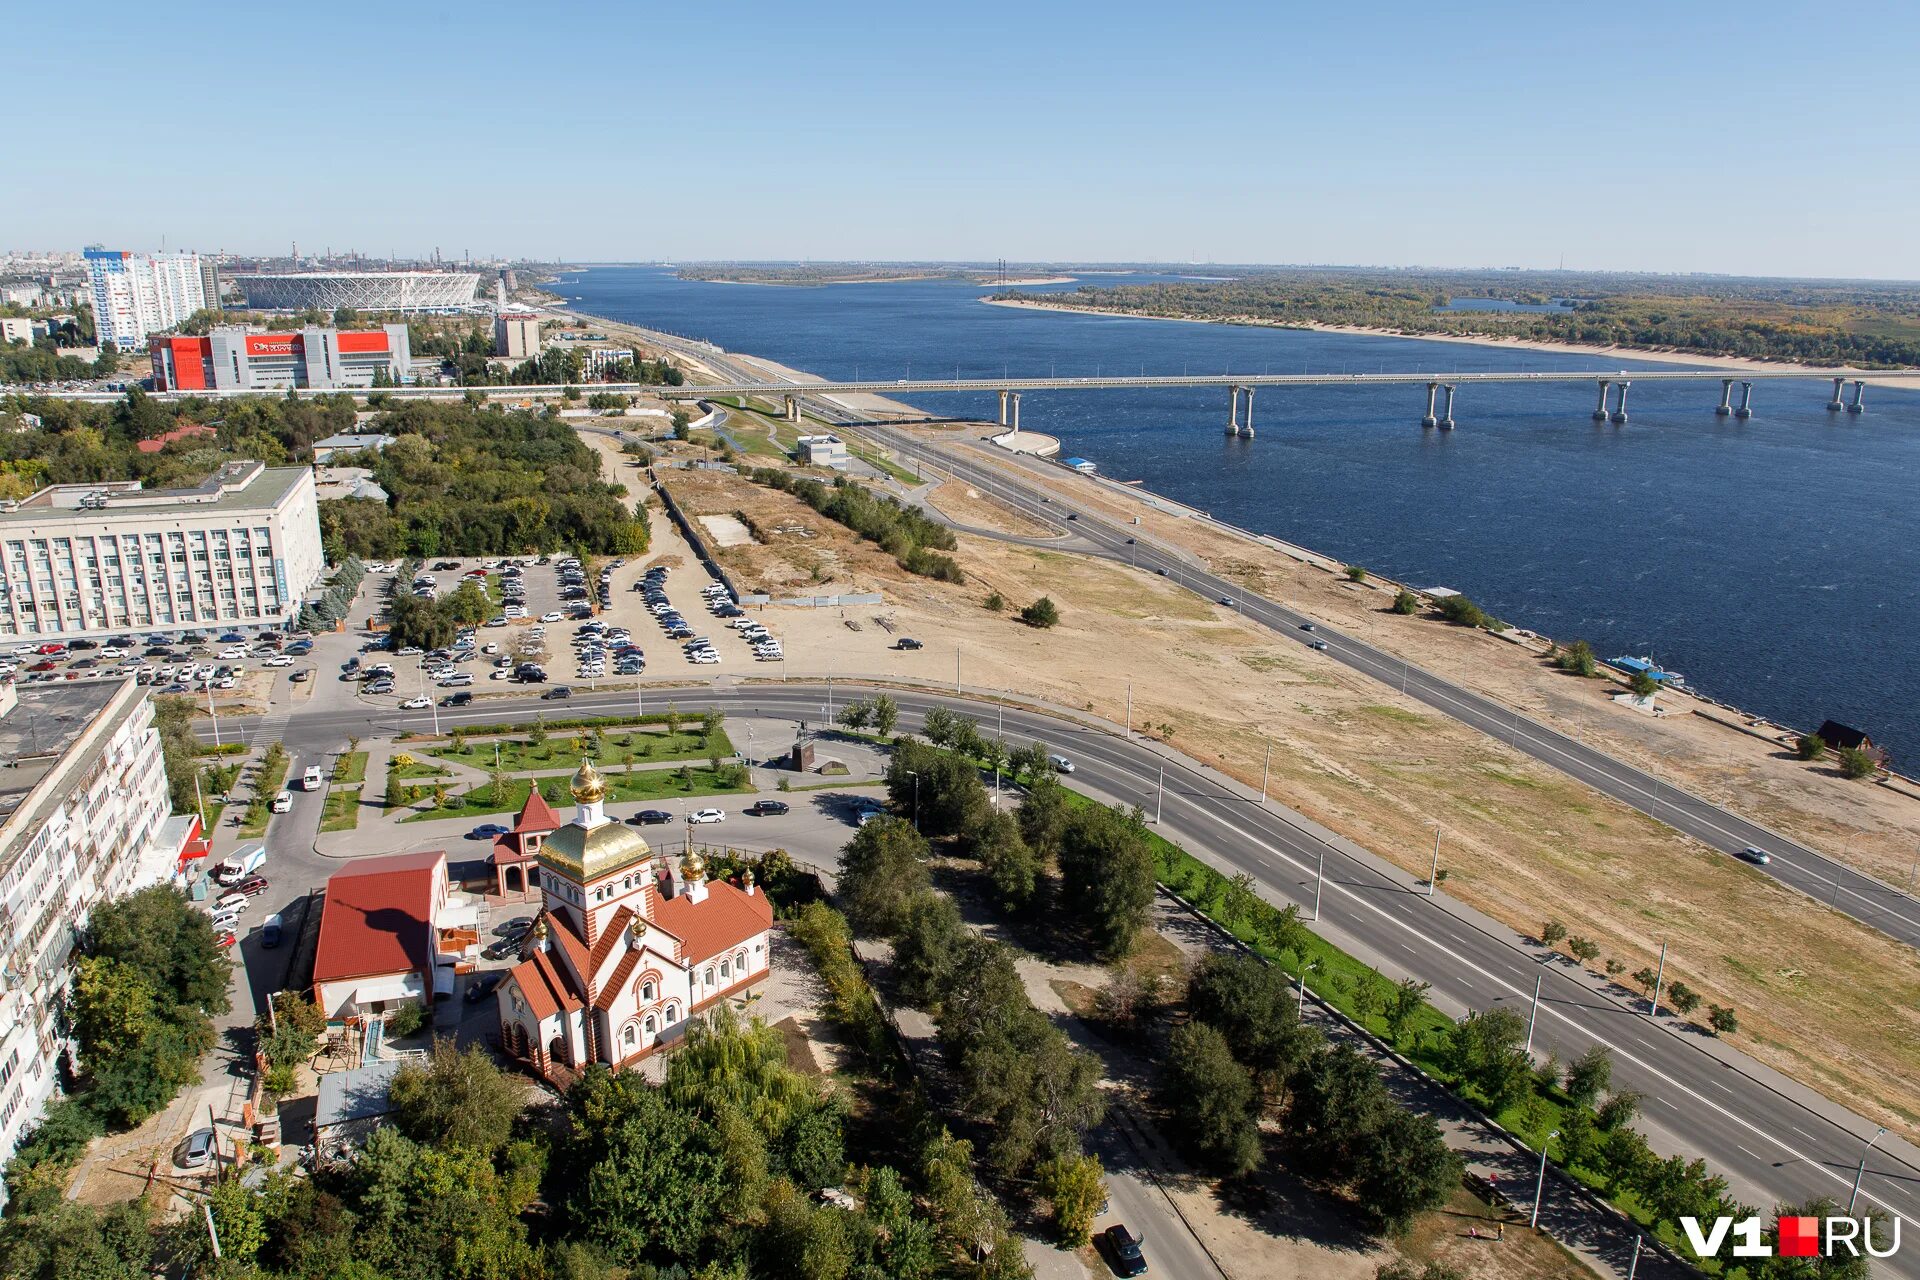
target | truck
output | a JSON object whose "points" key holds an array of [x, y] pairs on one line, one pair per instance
{"points": [[245, 861]]}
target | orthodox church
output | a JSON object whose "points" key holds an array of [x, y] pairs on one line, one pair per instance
{"points": [[623, 953]]}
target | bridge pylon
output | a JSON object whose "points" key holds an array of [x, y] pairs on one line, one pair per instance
{"points": [[1725, 406], [1620, 412], [1859, 395], [1745, 410], [1600, 410], [1446, 414], [1433, 389]]}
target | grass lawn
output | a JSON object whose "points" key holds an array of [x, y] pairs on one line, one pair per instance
{"points": [[343, 810], [518, 755], [415, 768], [272, 776], [651, 784], [879, 461], [350, 769]]}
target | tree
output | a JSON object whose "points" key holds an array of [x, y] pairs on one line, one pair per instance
{"points": [[1212, 1099], [1551, 934], [881, 869], [1010, 865], [996, 602], [1356, 573], [1107, 876], [67, 1241], [1252, 1005], [1076, 1186], [1577, 658], [1403, 1006], [1859, 762], [1589, 1075], [1405, 602], [928, 947], [456, 1099], [1683, 998], [1404, 1169], [1484, 1050], [1722, 1019], [1811, 746], [1643, 685], [1042, 613], [1618, 1110], [641, 1178], [942, 789], [886, 714], [1585, 950], [1646, 976], [854, 715]]}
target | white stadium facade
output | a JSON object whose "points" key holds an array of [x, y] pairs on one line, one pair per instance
{"points": [[361, 290]]}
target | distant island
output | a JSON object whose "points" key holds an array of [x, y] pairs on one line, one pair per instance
{"points": [[1865, 324], [820, 273]]}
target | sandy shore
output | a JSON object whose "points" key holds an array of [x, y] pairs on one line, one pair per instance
{"points": [[1658, 355]]}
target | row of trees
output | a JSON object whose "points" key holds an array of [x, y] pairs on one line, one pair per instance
{"points": [[908, 536], [1246, 1057]]}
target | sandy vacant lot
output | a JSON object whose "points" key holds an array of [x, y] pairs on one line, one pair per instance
{"points": [[1820, 997]]}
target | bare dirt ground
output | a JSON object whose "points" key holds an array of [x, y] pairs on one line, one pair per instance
{"points": [[1820, 997]]}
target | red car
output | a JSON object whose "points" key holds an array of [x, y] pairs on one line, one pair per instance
{"points": [[51, 648], [252, 886], [44, 666], [224, 940]]}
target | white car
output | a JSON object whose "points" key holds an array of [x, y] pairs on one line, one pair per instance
{"points": [[708, 815], [489, 647], [516, 611], [552, 615], [458, 680], [278, 660], [411, 651], [233, 651], [498, 620], [706, 659], [226, 682], [416, 704], [283, 802]]}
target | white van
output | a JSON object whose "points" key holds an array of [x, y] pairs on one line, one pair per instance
{"points": [[283, 802], [312, 779], [1060, 764], [231, 904]]}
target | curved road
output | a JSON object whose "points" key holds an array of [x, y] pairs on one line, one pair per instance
{"points": [[1774, 1146]]}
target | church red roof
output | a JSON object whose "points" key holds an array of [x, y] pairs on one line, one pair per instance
{"points": [[378, 918], [726, 918]]}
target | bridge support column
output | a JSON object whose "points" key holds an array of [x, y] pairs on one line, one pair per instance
{"points": [[1446, 414], [1746, 401], [793, 408], [1620, 413], [1859, 392], [1726, 396], [1600, 410], [1016, 410], [1836, 404], [1247, 429], [1233, 411], [1433, 389], [1003, 408]]}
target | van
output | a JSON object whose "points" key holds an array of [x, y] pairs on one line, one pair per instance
{"points": [[231, 902], [1060, 764], [283, 802], [270, 931], [244, 862], [312, 779]]}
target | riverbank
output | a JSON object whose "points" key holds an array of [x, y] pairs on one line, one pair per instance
{"points": [[1656, 355]]}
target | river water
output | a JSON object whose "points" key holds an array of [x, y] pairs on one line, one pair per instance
{"points": [[1763, 559]]}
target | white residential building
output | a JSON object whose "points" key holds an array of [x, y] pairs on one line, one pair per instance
{"points": [[83, 805], [823, 451], [239, 550], [16, 329], [135, 294]]}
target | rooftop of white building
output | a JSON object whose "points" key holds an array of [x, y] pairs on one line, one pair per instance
{"points": [[236, 486]]}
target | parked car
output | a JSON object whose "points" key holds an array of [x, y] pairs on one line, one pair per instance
{"points": [[907, 642], [768, 808], [1123, 1250], [481, 986], [252, 886], [707, 815], [196, 1151], [270, 932]]}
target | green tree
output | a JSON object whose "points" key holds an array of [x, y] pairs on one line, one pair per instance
{"points": [[1551, 934], [942, 789], [855, 715], [1643, 685], [1484, 1050], [1107, 876], [1585, 950], [928, 947], [456, 1099], [1252, 1005], [1404, 1169], [641, 1179], [1859, 762], [1405, 602], [1356, 573], [68, 1241], [1683, 998], [1811, 746], [1212, 1099], [1403, 1007], [1042, 613], [886, 714], [1010, 865], [996, 602], [1076, 1186], [1722, 1019], [1576, 658], [881, 869], [1589, 1076]]}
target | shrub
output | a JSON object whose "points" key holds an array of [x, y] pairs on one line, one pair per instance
{"points": [[1356, 573], [1041, 613], [996, 602], [1576, 658], [1858, 762], [406, 1020], [1404, 601], [1811, 747], [1463, 612], [1643, 685], [1722, 1019]]}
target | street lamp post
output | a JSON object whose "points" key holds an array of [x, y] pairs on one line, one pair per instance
{"points": [[1540, 1186], [1433, 872], [1659, 976], [1861, 1172], [1264, 768], [1160, 795], [1534, 1015], [1300, 995], [1319, 878]]}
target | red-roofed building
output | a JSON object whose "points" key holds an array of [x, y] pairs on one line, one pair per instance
{"points": [[391, 931], [185, 431], [515, 856], [623, 954]]}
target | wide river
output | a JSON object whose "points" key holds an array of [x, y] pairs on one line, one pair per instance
{"points": [[1762, 558]]}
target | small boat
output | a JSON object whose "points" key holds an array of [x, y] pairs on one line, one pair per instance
{"points": [[1635, 665]]}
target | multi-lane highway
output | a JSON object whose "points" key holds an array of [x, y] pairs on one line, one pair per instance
{"points": [[1773, 1146]]}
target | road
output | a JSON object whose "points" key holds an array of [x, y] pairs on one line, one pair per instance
{"points": [[1773, 1146]]}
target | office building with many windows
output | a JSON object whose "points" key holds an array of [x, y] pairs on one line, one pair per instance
{"points": [[238, 551], [83, 819], [138, 294]]}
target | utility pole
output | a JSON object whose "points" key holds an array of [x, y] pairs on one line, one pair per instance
{"points": [[1633, 1266], [1319, 878], [1861, 1172], [1659, 976], [1534, 1015], [1160, 796], [1540, 1186], [1267, 765], [1129, 727], [1433, 873]]}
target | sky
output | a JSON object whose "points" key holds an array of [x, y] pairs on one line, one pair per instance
{"points": [[1753, 138]]}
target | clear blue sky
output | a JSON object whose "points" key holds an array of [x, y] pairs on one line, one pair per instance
{"points": [[1763, 138]]}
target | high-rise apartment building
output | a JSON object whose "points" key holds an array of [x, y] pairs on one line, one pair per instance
{"points": [[135, 294]]}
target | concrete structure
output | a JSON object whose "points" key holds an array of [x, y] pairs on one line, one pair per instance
{"points": [[334, 484], [210, 288], [240, 550], [391, 932], [600, 361], [623, 953], [84, 799], [348, 442], [135, 295], [236, 358], [327, 291], [16, 329], [517, 337], [515, 856], [823, 451]]}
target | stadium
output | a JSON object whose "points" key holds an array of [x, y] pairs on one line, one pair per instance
{"points": [[360, 290]]}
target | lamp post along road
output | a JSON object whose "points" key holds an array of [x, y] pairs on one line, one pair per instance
{"points": [[1319, 878], [1540, 1184], [1265, 766], [1433, 872], [1861, 1172], [1534, 1015], [1659, 977]]}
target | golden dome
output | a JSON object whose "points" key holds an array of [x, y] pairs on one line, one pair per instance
{"points": [[583, 854], [693, 866], [587, 785]]}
